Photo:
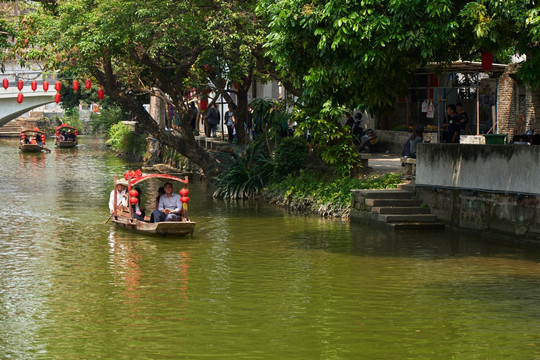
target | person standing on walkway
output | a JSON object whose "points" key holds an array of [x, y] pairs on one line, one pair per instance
{"points": [[463, 118], [213, 116], [230, 121], [453, 124]]}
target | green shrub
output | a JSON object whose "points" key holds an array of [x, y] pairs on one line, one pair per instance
{"points": [[290, 156], [311, 185], [102, 123], [123, 140], [247, 175]]}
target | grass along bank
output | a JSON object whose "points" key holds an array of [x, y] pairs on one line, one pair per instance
{"points": [[311, 192]]}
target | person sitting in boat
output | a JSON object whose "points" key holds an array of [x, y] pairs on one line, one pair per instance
{"points": [[121, 197], [160, 192], [169, 208], [33, 140], [138, 213]]}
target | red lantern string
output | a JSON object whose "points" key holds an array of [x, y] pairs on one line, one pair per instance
{"points": [[45, 86], [100, 94], [57, 98], [88, 84], [75, 85], [33, 85], [5, 83], [20, 84], [58, 85], [20, 98]]}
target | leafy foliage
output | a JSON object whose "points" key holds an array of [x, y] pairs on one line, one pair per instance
{"points": [[122, 139], [312, 186], [102, 123], [247, 176], [290, 156]]}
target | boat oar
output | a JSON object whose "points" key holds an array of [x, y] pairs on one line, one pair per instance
{"points": [[44, 148], [110, 216]]}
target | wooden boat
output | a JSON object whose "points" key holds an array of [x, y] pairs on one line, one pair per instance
{"points": [[123, 216], [32, 140], [65, 136]]}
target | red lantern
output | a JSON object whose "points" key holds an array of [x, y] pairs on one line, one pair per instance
{"points": [[184, 192], [33, 85], [43, 138], [5, 83], [20, 97], [57, 133], [23, 136], [20, 84], [88, 84], [75, 132], [58, 85], [133, 193], [100, 94], [57, 98], [487, 61], [184, 199], [45, 86], [133, 200], [204, 104], [75, 85]]}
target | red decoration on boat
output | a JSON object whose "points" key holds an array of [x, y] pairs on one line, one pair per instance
{"points": [[133, 200], [100, 94], [75, 85], [57, 98], [184, 199], [5, 83], [45, 86], [20, 98], [23, 136], [43, 138], [184, 192], [20, 84], [58, 85], [204, 104], [75, 132], [57, 133], [88, 84], [487, 61], [133, 193], [33, 85], [133, 174]]}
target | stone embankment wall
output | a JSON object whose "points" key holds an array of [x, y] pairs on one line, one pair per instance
{"points": [[489, 188]]}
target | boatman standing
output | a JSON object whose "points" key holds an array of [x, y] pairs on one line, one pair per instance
{"points": [[121, 197]]}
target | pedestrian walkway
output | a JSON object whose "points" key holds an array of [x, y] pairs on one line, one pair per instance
{"points": [[385, 163]]}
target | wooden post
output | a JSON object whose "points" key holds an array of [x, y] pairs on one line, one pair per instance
{"points": [[115, 197], [478, 105]]}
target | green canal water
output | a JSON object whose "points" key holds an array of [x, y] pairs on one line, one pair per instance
{"points": [[254, 281]]}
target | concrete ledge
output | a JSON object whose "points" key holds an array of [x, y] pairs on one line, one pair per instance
{"points": [[410, 165]]}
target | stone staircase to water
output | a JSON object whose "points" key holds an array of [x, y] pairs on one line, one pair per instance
{"points": [[11, 129], [399, 208]]}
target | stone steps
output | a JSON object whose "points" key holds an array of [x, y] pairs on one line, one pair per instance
{"points": [[412, 218], [399, 208], [392, 202]]}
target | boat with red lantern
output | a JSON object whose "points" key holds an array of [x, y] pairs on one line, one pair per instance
{"points": [[65, 136], [123, 215], [32, 140]]}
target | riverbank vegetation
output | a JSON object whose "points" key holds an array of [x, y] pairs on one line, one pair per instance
{"points": [[330, 56]]}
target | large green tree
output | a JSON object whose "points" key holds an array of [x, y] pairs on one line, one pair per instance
{"points": [[363, 54], [137, 46]]}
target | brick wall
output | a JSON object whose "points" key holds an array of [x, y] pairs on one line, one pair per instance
{"points": [[515, 104]]}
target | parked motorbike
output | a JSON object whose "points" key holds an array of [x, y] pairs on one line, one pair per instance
{"points": [[364, 140]]}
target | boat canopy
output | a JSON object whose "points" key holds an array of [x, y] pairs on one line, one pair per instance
{"points": [[34, 130], [135, 177], [65, 126]]}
